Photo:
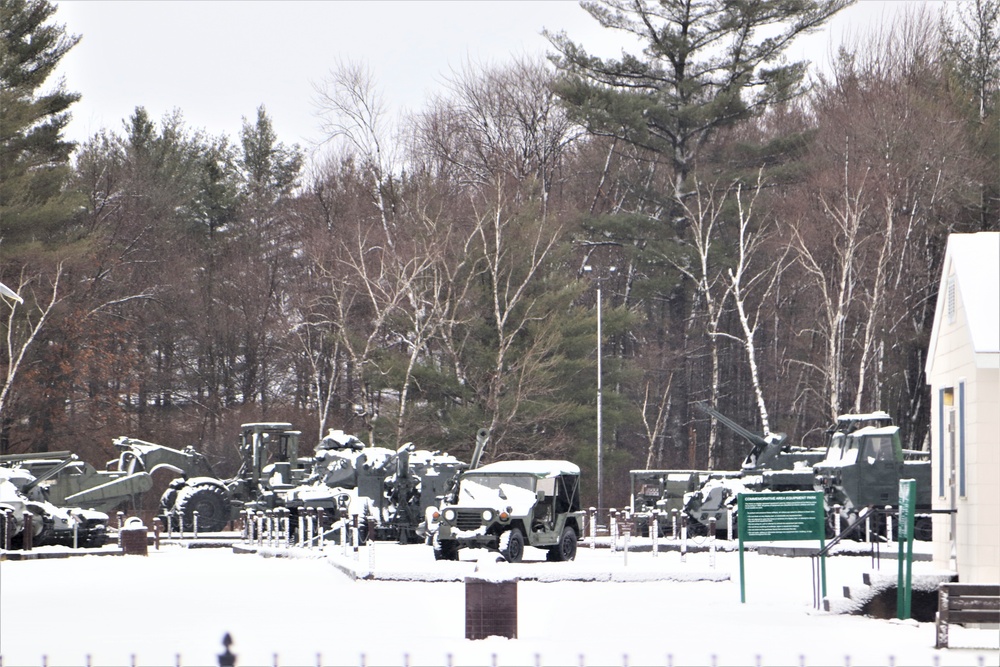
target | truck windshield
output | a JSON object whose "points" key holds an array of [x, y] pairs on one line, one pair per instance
{"points": [[843, 449], [494, 481]]}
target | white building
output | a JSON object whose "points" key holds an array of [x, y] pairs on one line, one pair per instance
{"points": [[963, 370]]}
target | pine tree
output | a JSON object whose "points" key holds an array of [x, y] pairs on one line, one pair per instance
{"points": [[33, 154], [707, 65]]}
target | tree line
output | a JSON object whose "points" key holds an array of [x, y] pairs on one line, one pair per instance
{"points": [[763, 239]]}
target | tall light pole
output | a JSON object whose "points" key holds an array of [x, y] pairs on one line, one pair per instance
{"points": [[600, 429]]}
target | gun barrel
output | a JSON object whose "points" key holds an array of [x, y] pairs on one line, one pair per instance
{"points": [[51, 472], [482, 437], [751, 437]]}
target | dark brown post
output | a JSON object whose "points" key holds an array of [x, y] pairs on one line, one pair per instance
{"points": [[29, 531]]}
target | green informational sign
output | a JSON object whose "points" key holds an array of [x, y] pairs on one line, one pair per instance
{"points": [[775, 517], [772, 517], [904, 580]]}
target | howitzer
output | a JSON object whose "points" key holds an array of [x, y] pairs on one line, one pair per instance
{"points": [[765, 450]]}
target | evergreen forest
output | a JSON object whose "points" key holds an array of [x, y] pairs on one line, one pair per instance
{"points": [[742, 230]]}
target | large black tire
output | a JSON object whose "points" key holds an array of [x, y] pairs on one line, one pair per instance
{"points": [[566, 549], [209, 501], [446, 550], [512, 545]]}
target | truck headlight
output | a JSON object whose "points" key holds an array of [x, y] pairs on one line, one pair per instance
{"points": [[487, 515], [449, 515]]}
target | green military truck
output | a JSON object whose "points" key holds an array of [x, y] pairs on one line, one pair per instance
{"points": [[508, 505], [862, 469]]}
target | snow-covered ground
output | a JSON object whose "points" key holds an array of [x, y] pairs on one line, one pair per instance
{"points": [[398, 606]]}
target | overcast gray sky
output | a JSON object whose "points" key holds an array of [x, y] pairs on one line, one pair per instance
{"points": [[218, 61]]}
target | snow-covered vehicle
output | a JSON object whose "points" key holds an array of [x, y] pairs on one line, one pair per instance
{"points": [[388, 489], [21, 494], [508, 505]]}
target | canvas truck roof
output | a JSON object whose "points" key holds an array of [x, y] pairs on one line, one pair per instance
{"points": [[537, 468]]}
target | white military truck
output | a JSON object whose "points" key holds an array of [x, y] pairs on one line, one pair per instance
{"points": [[508, 505]]}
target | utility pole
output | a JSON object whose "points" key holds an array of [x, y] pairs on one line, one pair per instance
{"points": [[600, 398]]}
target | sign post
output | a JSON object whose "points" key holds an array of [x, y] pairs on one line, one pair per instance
{"points": [[775, 517], [904, 579]]}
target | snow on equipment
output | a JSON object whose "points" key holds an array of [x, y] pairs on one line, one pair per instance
{"points": [[508, 505], [771, 465], [22, 495], [69, 481], [864, 462], [387, 489]]}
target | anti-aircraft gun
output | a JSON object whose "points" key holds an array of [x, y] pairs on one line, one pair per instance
{"points": [[772, 464]]}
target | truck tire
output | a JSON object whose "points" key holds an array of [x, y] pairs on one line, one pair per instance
{"points": [[512, 545], [209, 501], [446, 550], [566, 549]]}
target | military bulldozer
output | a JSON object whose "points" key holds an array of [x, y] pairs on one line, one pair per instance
{"points": [[268, 460]]}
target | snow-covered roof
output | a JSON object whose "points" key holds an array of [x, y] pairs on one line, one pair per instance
{"points": [[539, 468], [872, 430], [974, 259], [864, 416]]}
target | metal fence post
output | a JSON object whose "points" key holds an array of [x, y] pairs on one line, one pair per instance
{"points": [[194, 525], [613, 528], [684, 534], [656, 532], [29, 531], [673, 524], [320, 520], [593, 527], [711, 542]]}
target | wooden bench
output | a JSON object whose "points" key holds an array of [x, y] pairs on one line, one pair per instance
{"points": [[965, 603]]}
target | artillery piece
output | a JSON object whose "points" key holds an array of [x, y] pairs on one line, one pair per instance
{"points": [[22, 494], [388, 489], [772, 464], [69, 481]]}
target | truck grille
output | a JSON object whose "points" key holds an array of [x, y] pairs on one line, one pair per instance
{"points": [[468, 519]]}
